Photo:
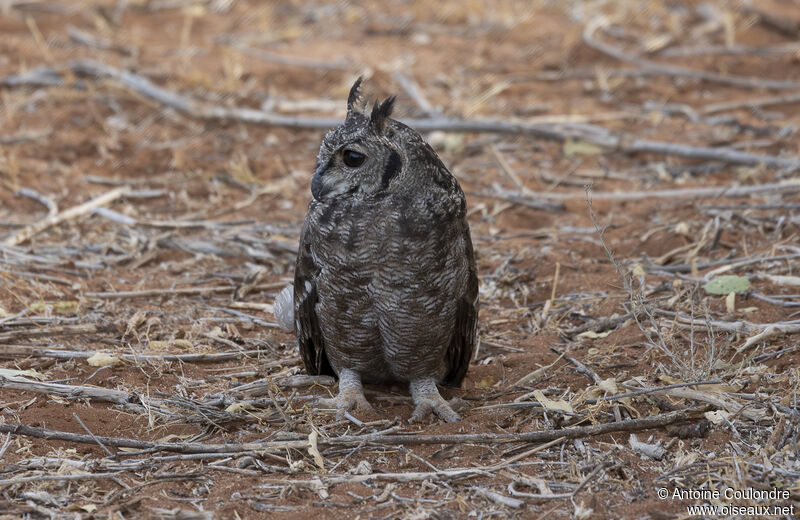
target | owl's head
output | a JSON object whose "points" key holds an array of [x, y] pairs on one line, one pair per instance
{"points": [[365, 155]]}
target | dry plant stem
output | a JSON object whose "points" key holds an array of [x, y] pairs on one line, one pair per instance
{"points": [[78, 392], [762, 331], [149, 293], [723, 106], [411, 476], [732, 50], [499, 499], [671, 70], [721, 402], [530, 452], [20, 351], [87, 430], [728, 263], [733, 326], [414, 91], [74, 212], [521, 200], [629, 425], [721, 192], [644, 391], [52, 207], [637, 303], [293, 61], [63, 330], [590, 476], [788, 25], [57, 478], [583, 369], [95, 42], [600, 325], [555, 132]]}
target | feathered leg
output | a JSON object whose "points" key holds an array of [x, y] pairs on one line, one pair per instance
{"points": [[351, 394], [427, 399]]}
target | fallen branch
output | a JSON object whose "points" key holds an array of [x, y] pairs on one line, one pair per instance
{"points": [[52, 207], [629, 425], [750, 103], [149, 293], [74, 212], [740, 326], [720, 401], [600, 324], [23, 351], [554, 132], [716, 192], [674, 71], [125, 399], [411, 476], [63, 330], [57, 478], [761, 331]]}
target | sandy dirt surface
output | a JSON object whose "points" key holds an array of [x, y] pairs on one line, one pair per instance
{"points": [[681, 116]]}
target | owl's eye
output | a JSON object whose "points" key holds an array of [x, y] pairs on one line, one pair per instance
{"points": [[353, 159]]}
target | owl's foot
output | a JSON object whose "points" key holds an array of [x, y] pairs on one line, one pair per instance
{"points": [[428, 400], [350, 396]]}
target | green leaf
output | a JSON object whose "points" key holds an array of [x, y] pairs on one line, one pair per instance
{"points": [[727, 284]]}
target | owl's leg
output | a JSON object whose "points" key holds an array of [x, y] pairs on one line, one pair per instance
{"points": [[351, 394], [427, 399]]}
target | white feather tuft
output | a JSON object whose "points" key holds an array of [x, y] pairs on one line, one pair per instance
{"points": [[284, 308]]}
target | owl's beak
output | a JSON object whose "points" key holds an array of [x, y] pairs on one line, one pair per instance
{"points": [[318, 187]]}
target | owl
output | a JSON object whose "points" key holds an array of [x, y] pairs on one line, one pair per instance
{"points": [[385, 286]]}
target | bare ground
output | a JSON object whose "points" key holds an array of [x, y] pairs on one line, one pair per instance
{"points": [[197, 222]]}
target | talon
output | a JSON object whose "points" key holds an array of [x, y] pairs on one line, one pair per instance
{"points": [[345, 401], [421, 411], [350, 396], [428, 400]]}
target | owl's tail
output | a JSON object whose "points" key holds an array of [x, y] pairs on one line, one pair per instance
{"points": [[284, 308]]}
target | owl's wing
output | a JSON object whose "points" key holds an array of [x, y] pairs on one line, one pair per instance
{"points": [[465, 330], [306, 327]]}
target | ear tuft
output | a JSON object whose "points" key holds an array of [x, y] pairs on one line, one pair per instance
{"points": [[354, 95], [380, 113]]}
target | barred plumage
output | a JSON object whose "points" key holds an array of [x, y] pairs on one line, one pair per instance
{"points": [[385, 283]]}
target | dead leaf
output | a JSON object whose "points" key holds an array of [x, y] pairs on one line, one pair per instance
{"points": [[486, 382], [313, 450], [730, 303], [538, 373], [239, 407], [173, 438], [582, 512], [58, 307], [609, 386], [10, 372], [572, 147], [721, 401], [682, 228], [550, 404], [216, 332], [594, 335], [717, 417], [184, 343], [133, 323], [102, 359], [653, 451]]}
